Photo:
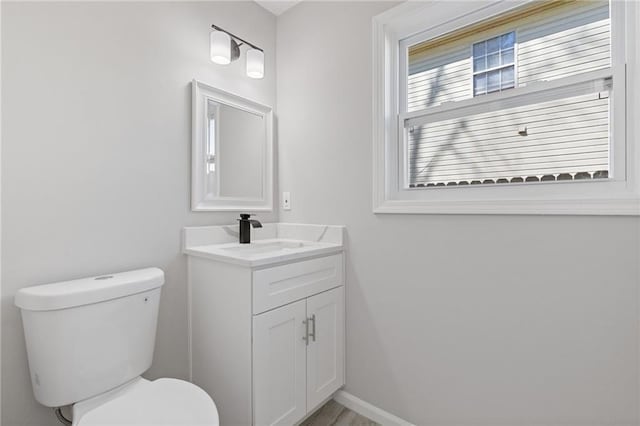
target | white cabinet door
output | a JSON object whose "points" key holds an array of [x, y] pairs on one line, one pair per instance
{"points": [[279, 365], [325, 353]]}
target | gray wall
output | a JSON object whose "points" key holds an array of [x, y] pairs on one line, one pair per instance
{"points": [[96, 153], [456, 320]]}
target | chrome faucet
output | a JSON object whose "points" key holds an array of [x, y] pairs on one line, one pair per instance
{"points": [[245, 227]]}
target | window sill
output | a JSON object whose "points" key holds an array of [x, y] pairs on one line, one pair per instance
{"points": [[604, 207]]}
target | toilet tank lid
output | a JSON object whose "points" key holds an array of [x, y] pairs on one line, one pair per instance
{"points": [[85, 291]]}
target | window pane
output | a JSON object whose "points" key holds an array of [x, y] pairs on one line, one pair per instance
{"points": [[575, 41], [479, 49], [507, 77], [506, 57], [493, 81], [487, 146], [508, 40], [493, 60], [480, 84], [493, 44], [479, 64]]}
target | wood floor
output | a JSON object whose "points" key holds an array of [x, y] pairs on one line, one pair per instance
{"points": [[334, 414]]}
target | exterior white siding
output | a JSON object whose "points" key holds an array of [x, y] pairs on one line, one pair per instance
{"points": [[558, 48], [565, 137], [568, 136], [555, 47], [445, 78]]}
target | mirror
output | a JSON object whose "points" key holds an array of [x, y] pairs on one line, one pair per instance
{"points": [[232, 152]]}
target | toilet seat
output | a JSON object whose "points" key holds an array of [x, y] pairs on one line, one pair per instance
{"points": [[143, 402]]}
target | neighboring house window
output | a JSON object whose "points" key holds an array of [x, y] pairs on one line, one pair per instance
{"points": [[523, 102], [494, 64]]}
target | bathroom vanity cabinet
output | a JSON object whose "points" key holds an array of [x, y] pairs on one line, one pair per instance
{"points": [[267, 339], [298, 352]]}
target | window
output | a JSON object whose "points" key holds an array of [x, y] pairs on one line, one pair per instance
{"points": [[212, 114], [508, 108], [493, 64]]}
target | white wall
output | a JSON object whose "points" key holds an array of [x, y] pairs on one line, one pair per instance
{"points": [[96, 153], [457, 320]]}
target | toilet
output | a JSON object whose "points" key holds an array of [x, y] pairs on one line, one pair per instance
{"points": [[89, 341]]}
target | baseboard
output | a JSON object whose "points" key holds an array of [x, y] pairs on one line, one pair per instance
{"points": [[370, 411]]}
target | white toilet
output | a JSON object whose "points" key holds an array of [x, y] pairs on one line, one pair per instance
{"points": [[88, 342]]}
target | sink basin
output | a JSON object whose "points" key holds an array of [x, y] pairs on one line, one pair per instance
{"points": [[263, 251], [273, 244], [264, 247]]}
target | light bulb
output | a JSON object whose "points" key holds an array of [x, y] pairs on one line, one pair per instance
{"points": [[220, 47], [255, 63]]}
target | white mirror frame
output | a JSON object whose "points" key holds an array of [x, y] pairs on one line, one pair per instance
{"points": [[201, 94]]}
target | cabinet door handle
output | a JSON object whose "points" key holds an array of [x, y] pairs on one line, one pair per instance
{"points": [[313, 332], [306, 332]]}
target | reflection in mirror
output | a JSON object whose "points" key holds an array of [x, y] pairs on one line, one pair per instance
{"points": [[234, 158], [232, 150]]}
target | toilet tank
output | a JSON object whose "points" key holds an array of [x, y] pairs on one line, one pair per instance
{"points": [[87, 336]]}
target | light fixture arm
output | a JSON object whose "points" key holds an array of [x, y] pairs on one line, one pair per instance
{"points": [[235, 37]]}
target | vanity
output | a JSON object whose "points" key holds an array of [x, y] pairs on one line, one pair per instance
{"points": [[266, 319]]}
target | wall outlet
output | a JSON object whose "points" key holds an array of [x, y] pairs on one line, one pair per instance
{"points": [[286, 200]]}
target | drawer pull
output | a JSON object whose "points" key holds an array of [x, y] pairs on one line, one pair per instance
{"points": [[313, 332]]}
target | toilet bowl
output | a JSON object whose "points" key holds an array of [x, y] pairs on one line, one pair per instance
{"points": [[88, 343]]}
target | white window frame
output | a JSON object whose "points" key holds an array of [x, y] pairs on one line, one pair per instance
{"points": [[404, 25]]}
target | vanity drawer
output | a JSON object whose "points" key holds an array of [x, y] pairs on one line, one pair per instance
{"points": [[277, 286]]}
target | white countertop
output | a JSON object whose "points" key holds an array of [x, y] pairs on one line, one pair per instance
{"points": [[283, 243]]}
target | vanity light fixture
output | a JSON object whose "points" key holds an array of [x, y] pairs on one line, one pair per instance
{"points": [[255, 63], [225, 48]]}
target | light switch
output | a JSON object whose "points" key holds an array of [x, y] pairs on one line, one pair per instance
{"points": [[286, 200]]}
